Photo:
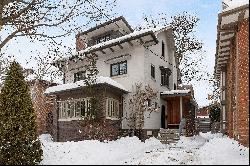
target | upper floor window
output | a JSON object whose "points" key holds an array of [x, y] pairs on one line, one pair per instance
{"points": [[81, 75], [112, 108], [162, 49], [118, 68], [165, 74], [152, 71]]}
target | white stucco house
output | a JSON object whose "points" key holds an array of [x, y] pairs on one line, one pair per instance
{"points": [[125, 57]]}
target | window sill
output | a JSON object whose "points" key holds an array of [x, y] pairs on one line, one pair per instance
{"points": [[165, 86], [69, 119], [112, 118], [153, 79], [119, 76]]}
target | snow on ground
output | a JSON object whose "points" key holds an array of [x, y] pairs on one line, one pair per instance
{"points": [[205, 148]]}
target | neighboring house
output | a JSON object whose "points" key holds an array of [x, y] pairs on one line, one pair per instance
{"points": [[42, 104], [125, 57], [203, 112], [232, 68]]}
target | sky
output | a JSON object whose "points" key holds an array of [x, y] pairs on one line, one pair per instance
{"points": [[133, 11]]}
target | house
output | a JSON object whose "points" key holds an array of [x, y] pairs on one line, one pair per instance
{"points": [[203, 112], [42, 104], [125, 57], [232, 68]]}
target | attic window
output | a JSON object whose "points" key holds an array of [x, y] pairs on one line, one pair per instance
{"points": [[103, 38]]}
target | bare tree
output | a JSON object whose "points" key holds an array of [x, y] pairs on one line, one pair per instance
{"points": [[37, 18], [214, 97], [139, 103], [186, 43], [49, 24]]}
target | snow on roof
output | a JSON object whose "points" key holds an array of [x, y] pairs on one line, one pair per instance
{"points": [[99, 80], [234, 4], [119, 39], [172, 92]]}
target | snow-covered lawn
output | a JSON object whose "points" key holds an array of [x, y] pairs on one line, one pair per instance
{"points": [[205, 148]]}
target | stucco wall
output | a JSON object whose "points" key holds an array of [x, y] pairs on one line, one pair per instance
{"points": [[138, 71]]}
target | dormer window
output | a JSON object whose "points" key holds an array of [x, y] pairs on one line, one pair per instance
{"points": [[81, 75], [103, 39]]}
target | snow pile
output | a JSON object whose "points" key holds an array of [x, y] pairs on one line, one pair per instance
{"points": [[235, 3], [95, 152], [71, 86], [223, 151], [205, 148]]}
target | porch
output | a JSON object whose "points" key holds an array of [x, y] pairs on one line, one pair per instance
{"points": [[177, 107]]}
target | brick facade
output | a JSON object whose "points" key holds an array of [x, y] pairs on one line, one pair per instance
{"points": [[237, 86], [41, 105], [76, 130]]}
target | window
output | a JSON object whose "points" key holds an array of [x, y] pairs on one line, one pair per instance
{"points": [[81, 75], [118, 68], [112, 108], [164, 79], [103, 39], [162, 49], [165, 74], [74, 109], [156, 105], [149, 102], [152, 71]]}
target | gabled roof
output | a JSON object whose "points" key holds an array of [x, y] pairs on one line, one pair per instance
{"points": [[81, 84], [121, 18]]}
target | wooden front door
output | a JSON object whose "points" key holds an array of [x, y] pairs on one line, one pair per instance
{"points": [[173, 111]]}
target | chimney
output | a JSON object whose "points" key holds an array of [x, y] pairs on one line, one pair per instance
{"points": [[80, 43]]}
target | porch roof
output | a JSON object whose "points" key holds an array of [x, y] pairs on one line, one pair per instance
{"points": [[79, 84]]}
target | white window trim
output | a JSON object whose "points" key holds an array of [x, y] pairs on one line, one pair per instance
{"points": [[60, 118], [107, 107]]}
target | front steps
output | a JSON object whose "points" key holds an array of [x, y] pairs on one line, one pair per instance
{"points": [[167, 136], [204, 125]]}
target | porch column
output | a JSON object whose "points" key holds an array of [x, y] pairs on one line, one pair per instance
{"points": [[180, 107]]}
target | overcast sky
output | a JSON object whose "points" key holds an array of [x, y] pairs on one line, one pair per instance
{"points": [[133, 10]]}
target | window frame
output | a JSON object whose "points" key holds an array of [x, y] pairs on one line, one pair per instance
{"points": [[119, 68], [68, 113], [78, 74], [153, 72], [111, 105], [162, 49]]}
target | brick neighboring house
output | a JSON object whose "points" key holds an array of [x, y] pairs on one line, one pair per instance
{"points": [[232, 69], [203, 112], [43, 105]]}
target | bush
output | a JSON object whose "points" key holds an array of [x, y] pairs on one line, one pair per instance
{"points": [[19, 142], [215, 113]]}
